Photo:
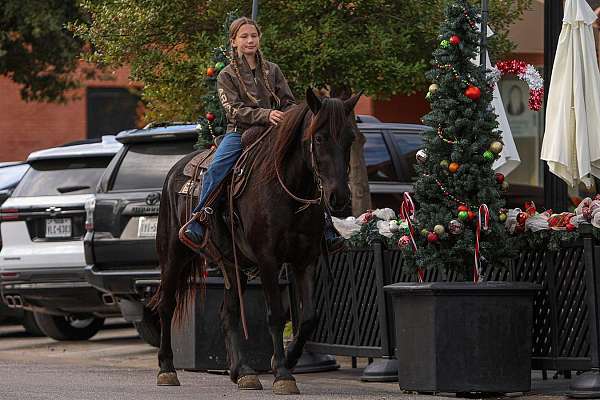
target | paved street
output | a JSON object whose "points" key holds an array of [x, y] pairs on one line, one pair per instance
{"points": [[116, 364]]}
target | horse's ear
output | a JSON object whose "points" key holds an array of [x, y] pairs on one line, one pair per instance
{"points": [[314, 103], [351, 102]]}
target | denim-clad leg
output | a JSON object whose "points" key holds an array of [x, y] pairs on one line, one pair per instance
{"points": [[228, 151]]}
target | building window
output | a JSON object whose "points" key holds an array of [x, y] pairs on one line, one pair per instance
{"points": [[110, 110]]}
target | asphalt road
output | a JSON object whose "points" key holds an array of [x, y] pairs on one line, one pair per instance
{"points": [[116, 364]]}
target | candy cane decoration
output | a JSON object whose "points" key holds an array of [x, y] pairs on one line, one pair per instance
{"points": [[483, 209], [407, 211]]}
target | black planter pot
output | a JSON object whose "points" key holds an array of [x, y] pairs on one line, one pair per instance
{"points": [[463, 337], [198, 344]]}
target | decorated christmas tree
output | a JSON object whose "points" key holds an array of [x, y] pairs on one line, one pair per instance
{"points": [[213, 123], [456, 224]]}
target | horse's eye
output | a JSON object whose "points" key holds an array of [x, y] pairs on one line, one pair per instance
{"points": [[318, 139]]}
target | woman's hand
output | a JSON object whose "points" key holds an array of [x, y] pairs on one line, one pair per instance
{"points": [[275, 117]]}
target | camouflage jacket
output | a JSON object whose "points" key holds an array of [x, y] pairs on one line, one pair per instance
{"points": [[241, 111]]}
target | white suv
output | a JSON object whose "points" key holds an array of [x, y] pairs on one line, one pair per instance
{"points": [[43, 224]]}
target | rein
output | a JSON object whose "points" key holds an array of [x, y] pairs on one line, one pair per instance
{"points": [[315, 168]]}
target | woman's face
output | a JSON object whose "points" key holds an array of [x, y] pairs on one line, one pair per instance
{"points": [[247, 40]]}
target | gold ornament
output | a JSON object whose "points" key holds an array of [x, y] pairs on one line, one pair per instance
{"points": [[439, 230], [496, 147], [434, 87]]}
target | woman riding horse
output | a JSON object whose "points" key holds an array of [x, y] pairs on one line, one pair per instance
{"points": [[253, 91]]}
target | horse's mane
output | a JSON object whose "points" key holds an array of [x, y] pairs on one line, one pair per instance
{"points": [[294, 128]]}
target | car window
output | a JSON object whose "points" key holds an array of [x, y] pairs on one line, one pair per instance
{"points": [[378, 160], [11, 175], [62, 176], [407, 145], [146, 165]]}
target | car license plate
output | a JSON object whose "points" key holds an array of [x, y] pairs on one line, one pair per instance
{"points": [[147, 226], [58, 228]]}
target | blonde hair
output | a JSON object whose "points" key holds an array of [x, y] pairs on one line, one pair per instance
{"points": [[233, 31]]}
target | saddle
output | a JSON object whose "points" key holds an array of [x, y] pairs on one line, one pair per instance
{"points": [[242, 170]]}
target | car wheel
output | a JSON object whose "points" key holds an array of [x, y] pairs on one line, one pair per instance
{"points": [[60, 327], [30, 324], [149, 329]]}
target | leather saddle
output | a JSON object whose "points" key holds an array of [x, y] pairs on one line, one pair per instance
{"points": [[242, 170]]}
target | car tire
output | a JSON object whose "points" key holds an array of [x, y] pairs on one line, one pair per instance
{"points": [[30, 324], [61, 328], [149, 329]]}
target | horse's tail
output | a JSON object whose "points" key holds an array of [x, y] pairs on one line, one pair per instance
{"points": [[182, 271]]}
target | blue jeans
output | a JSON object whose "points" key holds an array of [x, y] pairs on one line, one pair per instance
{"points": [[228, 151]]}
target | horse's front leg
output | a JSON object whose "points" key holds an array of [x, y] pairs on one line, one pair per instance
{"points": [[308, 318], [276, 317], [240, 373]]}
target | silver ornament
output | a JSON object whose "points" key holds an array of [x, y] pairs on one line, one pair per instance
{"points": [[455, 227], [422, 156]]}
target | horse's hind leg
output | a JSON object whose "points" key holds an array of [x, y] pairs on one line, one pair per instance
{"points": [[308, 317], [167, 376], [180, 260], [245, 377], [276, 317]]}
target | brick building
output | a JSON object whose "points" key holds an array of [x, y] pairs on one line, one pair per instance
{"points": [[102, 107]]}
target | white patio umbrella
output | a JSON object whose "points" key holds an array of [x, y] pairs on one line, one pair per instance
{"points": [[509, 157], [571, 143]]}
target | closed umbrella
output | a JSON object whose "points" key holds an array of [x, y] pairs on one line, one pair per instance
{"points": [[571, 143], [509, 157]]}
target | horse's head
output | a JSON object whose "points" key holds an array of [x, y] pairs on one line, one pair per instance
{"points": [[330, 136]]}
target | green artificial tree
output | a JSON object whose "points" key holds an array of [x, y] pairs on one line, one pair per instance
{"points": [[214, 122], [455, 176]]}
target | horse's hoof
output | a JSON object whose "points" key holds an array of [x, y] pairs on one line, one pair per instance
{"points": [[285, 386], [167, 379], [249, 382]]}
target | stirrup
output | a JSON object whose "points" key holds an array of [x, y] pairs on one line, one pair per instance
{"points": [[195, 247]]}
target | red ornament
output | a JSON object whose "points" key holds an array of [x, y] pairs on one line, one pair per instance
{"points": [[471, 215], [210, 116], [463, 208], [473, 92], [570, 227], [432, 237], [522, 217], [499, 177], [404, 241], [210, 71], [454, 40]]}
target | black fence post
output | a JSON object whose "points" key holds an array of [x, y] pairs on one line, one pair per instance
{"points": [[588, 385], [384, 369]]}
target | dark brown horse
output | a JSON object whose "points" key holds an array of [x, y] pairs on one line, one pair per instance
{"points": [[305, 157]]}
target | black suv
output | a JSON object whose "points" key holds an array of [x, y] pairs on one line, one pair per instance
{"points": [[120, 248]]}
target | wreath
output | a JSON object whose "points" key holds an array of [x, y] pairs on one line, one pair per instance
{"points": [[525, 72]]}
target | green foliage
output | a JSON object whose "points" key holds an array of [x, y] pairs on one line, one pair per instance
{"points": [[209, 130], [36, 50], [381, 46], [470, 126]]}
